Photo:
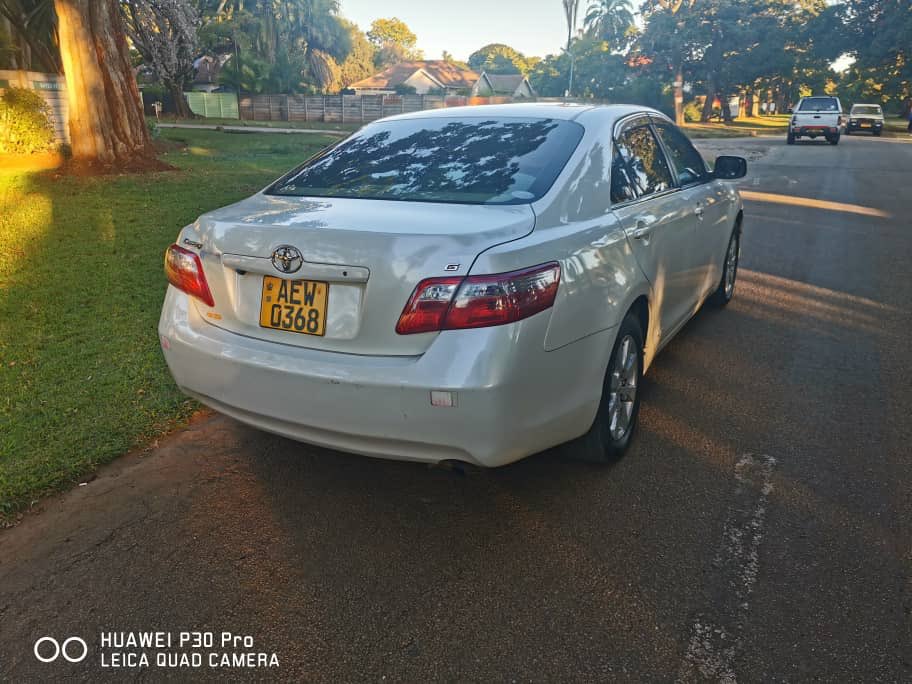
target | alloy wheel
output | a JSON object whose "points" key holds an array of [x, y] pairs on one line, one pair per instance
{"points": [[623, 388], [731, 265]]}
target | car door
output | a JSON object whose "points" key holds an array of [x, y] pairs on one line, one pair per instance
{"points": [[709, 202], [657, 221]]}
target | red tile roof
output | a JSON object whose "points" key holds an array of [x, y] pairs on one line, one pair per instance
{"points": [[445, 73]]}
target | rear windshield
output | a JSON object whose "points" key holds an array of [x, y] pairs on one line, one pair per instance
{"points": [[819, 104], [462, 160], [866, 109]]}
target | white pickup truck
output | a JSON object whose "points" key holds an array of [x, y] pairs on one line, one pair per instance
{"points": [[816, 116]]}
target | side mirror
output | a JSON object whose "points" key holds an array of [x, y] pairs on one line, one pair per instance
{"points": [[791, 111], [730, 168]]}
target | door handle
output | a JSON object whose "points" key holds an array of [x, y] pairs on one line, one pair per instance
{"points": [[641, 232]]}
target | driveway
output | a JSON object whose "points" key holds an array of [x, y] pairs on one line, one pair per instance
{"points": [[759, 529]]}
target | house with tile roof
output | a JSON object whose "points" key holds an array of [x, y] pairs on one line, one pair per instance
{"points": [[424, 76]]}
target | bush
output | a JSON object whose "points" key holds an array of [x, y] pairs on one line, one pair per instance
{"points": [[25, 124], [693, 110]]}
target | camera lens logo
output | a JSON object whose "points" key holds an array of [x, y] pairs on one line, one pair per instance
{"points": [[48, 649]]}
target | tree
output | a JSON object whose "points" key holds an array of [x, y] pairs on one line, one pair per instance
{"points": [[394, 42], [877, 35], [33, 43], [298, 43], [164, 32], [107, 127], [360, 61], [610, 20], [571, 10], [665, 39], [497, 58], [598, 73]]}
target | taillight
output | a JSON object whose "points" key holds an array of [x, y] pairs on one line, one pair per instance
{"points": [[185, 271], [427, 306], [479, 301]]}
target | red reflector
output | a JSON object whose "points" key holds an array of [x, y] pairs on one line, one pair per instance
{"points": [[479, 301], [185, 271]]}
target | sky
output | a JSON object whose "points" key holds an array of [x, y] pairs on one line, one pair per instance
{"points": [[534, 27]]}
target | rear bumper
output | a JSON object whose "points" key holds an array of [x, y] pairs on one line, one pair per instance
{"points": [[814, 131], [512, 397]]}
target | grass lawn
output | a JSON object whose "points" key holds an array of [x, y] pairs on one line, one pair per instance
{"points": [[82, 379], [312, 125], [896, 127], [743, 126]]}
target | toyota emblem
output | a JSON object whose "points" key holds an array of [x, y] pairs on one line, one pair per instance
{"points": [[287, 259]]}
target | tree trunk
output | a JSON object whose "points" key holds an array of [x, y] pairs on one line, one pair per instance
{"points": [[725, 100], [181, 106], [107, 127], [679, 96], [706, 114]]}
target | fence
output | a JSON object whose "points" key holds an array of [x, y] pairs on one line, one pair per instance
{"points": [[52, 87], [325, 108], [218, 105]]}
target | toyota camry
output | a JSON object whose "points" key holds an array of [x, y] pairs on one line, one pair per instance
{"points": [[473, 284]]}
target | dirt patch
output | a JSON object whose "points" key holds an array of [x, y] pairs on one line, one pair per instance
{"points": [[75, 167]]}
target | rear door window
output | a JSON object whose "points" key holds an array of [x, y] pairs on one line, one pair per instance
{"points": [[687, 162], [641, 164], [623, 188]]}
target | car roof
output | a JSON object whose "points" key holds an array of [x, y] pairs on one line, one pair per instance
{"points": [[568, 111]]}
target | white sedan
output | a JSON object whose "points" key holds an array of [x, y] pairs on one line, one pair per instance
{"points": [[473, 284]]}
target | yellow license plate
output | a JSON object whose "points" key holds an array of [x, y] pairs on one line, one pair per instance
{"points": [[294, 305], [865, 125]]}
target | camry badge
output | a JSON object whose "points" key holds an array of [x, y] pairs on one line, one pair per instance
{"points": [[287, 259]]}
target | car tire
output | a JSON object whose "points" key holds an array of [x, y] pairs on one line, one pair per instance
{"points": [[726, 290], [789, 139], [848, 132], [877, 134], [615, 421], [834, 140]]}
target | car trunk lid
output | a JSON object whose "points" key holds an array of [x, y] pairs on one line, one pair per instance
{"points": [[366, 255]]}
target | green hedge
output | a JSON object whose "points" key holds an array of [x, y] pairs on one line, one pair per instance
{"points": [[25, 125]]}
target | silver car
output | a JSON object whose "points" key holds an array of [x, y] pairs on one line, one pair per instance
{"points": [[473, 284]]}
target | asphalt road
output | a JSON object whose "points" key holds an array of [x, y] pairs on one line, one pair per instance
{"points": [[760, 528]]}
